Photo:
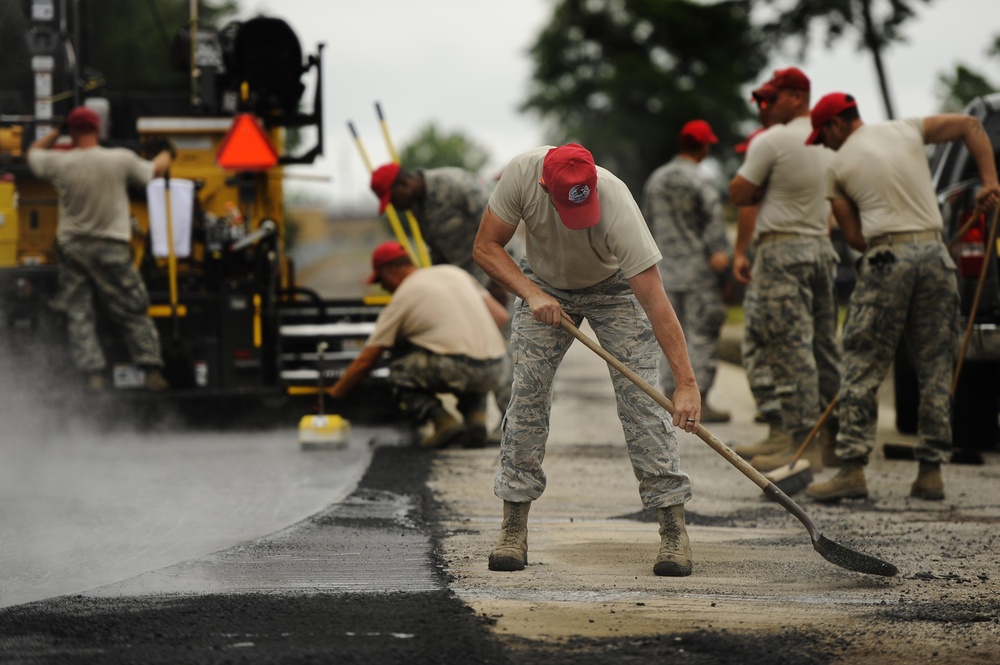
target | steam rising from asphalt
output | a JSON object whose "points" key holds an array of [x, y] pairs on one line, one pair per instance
{"points": [[95, 489]]}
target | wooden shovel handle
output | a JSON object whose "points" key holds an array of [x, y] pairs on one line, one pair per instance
{"points": [[753, 474]]}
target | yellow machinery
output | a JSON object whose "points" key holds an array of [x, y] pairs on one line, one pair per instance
{"points": [[231, 318]]}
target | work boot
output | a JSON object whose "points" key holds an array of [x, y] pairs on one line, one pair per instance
{"points": [[710, 415], [96, 382], [674, 559], [776, 441], [446, 429], [929, 485], [475, 429], [475, 426], [155, 380], [849, 483], [472, 406], [511, 551], [813, 454]]}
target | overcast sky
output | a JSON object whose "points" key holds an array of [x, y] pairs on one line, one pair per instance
{"points": [[463, 65]]}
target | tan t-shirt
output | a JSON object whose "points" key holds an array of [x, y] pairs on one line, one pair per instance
{"points": [[795, 174], [883, 168], [441, 309], [91, 183], [564, 258]]}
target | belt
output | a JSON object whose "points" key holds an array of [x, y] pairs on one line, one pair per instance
{"points": [[773, 236], [904, 237], [475, 362], [406, 347]]}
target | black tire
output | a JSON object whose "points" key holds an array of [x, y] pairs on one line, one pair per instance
{"points": [[974, 423]]}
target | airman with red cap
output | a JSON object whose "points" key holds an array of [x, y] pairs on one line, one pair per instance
{"points": [[681, 205], [92, 240], [589, 256], [448, 204], [442, 333], [794, 265], [753, 344], [879, 184]]}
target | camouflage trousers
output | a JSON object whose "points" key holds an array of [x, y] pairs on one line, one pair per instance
{"points": [[501, 394], [905, 290], [701, 314], [104, 265], [798, 312], [417, 376], [537, 349], [753, 353]]}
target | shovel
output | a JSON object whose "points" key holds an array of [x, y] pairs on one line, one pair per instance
{"points": [[794, 476], [833, 552]]}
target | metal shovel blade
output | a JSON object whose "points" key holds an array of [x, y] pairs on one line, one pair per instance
{"points": [[847, 558], [832, 551]]}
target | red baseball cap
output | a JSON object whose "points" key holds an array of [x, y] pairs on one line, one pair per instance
{"points": [[82, 118], [742, 147], [791, 78], [381, 184], [698, 131], [826, 109], [764, 93], [570, 176], [383, 255]]}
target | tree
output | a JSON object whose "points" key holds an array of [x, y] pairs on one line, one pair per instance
{"points": [[622, 76], [433, 148], [956, 90], [876, 32]]}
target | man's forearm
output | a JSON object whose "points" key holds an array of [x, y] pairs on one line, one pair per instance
{"points": [[496, 262], [849, 220], [161, 163], [670, 337], [979, 146], [648, 289], [357, 371], [745, 226], [47, 141]]}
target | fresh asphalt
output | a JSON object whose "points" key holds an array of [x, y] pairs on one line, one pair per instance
{"points": [[358, 582]]}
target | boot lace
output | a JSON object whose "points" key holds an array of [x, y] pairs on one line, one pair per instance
{"points": [[511, 532], [670, 532]]}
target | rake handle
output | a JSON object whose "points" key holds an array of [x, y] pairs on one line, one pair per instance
{"points": [[812, 433], [970, 324], [390, 211]]}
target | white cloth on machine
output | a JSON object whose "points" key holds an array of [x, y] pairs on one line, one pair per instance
{"points": [[181, 215]]}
